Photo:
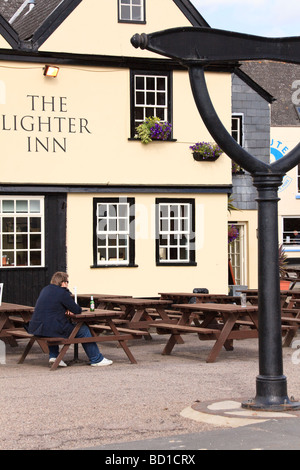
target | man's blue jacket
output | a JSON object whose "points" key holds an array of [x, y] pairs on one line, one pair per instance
{"points": [[49, 317]]}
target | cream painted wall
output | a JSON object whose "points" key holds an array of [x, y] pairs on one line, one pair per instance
{"points": [[82, 118], [3, 43], [147, 279], [93, 28]]}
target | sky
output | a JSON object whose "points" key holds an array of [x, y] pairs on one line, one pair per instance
{"points": [[270, 18]]}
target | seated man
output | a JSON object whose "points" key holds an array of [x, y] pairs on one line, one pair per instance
{"points": [[50, 319]]}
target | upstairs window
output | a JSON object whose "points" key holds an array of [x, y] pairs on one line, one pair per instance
{"points": [[237, 128], [131, 11], [238, 135], [150, 96]]}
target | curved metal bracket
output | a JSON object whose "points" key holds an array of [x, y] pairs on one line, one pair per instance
{"points": [[197, 47], [209, 45]]}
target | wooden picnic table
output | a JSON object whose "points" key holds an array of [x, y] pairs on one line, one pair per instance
{"points": [[99, 321], [139, 312], [10, 314], [292, 275], [290, 312], [287, 296], [84, 299], [220, 322], [184, 297]]}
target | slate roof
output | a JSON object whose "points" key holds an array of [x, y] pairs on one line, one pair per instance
{"points": [[278, 79], [26, 24], [29, 19]]}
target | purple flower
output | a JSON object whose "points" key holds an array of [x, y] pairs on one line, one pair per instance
{"points": [[233, 233], [161, 130], [206, 149]]}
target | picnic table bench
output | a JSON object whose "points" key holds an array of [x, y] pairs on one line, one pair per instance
{"points": [[99, 320], [138, 313], [10, 315], [215, 321]]}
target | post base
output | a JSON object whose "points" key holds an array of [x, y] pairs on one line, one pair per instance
{"points": [[271, 395], [254, 405]]}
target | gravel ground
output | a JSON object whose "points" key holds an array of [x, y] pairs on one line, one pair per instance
{"points": [[80, 406]]}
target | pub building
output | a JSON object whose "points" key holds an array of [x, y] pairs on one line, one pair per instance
{"points": [[79, 192]]}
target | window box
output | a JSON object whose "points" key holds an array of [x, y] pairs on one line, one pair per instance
{"points": [[153, 129], [201, 158], [206, 152]]}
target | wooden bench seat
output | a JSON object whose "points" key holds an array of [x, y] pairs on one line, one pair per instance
{"points": [[291, 319], [16, 319], [171, 314], [23, 334], [120, 329], [122, 335], [184, 328]]}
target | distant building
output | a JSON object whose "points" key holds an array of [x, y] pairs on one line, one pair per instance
{"points": [[282, 80]]}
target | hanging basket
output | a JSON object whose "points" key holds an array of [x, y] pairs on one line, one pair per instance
{"points": [[201, 158]]}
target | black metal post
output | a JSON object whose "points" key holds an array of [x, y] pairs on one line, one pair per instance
{"points": [[196, 48], [271, 384]]}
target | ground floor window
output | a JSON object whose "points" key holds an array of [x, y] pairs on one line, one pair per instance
{"points": [[237, 255], [175, 234], [22, 231], [114, 231]]}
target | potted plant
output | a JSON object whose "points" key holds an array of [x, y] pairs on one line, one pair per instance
{"points": [[284, 283], [205, 151], [153, 128]]}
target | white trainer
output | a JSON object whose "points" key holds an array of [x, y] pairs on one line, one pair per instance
{"points": [[61, 364], [104, 362]]}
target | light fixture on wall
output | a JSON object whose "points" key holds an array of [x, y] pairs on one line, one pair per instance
{"points": [[51, 71]]}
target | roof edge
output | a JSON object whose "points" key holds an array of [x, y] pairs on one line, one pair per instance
{"points": [[191, 13], [254, 85], [53, 21], [9, 34]]}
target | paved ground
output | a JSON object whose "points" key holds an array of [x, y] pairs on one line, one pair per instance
{"points": [[275, 434], [156, 404]]}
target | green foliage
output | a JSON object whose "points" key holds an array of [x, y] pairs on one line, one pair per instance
{"points": [[153, 129], [282, 261]]}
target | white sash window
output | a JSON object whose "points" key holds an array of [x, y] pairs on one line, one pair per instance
{"points": [[22, 231]]}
